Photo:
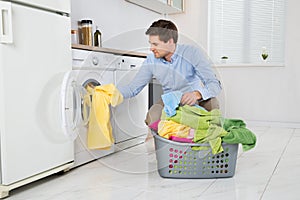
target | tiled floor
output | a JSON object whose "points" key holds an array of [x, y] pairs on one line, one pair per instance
{"points": [[270, 171]]}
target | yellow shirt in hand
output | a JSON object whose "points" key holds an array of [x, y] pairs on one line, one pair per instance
{"points": [[99, 130]]}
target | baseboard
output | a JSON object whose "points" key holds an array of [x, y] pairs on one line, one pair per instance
{"points": [[273, 124]]}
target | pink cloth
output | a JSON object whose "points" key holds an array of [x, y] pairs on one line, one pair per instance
{"points": [[154, 125], [191, 134], [179, 139]]}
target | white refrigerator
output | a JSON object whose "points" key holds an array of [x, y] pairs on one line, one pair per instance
{"points": [[35, 54]]}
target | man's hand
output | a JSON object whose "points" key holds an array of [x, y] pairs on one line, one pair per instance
{"points": [[190, 98]]}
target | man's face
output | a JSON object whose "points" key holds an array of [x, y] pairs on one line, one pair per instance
{"points": [[159, 48]]}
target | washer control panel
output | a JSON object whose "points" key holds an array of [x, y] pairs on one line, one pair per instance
{"points": [[129, 63], [93, 60]]}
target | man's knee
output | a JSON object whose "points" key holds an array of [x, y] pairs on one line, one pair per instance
{"points": [[154, 113], [210, 104]]}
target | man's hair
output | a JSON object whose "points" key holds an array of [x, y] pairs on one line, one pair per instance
{"points": [[164, 29]]}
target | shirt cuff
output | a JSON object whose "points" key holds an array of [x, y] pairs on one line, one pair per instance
{"points": [[204, 92]]}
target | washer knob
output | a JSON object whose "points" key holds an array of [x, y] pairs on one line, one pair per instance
{"points": [[95, 60]]}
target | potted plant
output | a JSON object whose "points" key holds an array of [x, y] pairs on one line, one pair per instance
{"points": [[224, 59]]}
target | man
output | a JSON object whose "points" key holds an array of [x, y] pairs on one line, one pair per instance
{"points": [[183, 68]]}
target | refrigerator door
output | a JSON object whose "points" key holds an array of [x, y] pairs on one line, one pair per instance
{"points": [[54, 5], [32, 68]]}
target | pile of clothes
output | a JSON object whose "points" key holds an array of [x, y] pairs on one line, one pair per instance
{"points": [[194, 124]]}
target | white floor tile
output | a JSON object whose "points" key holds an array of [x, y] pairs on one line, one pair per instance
{"points": [[269, 171]]}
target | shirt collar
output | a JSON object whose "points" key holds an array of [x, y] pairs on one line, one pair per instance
{"points": [[173, 57]]}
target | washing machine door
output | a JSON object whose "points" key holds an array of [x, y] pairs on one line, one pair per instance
{"points": [[75, 105]]}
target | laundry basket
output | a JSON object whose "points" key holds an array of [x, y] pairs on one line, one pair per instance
{"points": [[179, 160]]}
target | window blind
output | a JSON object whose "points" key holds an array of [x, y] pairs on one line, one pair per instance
{"points": [[243, 29]]}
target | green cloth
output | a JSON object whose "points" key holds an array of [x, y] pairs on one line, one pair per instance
{"points": [[212, 135], [195, 117], [211, 127], [207, 125], [238, 133]]}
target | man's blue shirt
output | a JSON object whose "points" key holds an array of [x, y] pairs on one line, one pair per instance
{"points": [[189, 70]]}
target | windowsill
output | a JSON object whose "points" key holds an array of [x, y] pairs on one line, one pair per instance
{"points": [[244, 65]]}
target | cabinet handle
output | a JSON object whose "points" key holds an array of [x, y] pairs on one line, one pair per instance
{"points": [[6, 34]]}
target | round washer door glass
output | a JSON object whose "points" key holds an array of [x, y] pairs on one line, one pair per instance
{"points": [[76, 103]]}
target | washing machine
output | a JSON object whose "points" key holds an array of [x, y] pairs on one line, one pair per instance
{"points": [[89, 68], [128, 118]]}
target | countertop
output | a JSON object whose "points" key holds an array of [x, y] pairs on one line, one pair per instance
{"points": [[108, 50]]}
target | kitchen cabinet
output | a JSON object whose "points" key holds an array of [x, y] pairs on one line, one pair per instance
{"points": [[161, 6], [179, 4]]}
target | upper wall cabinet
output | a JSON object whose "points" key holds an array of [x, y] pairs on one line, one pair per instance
{"points": [[161, 6]]}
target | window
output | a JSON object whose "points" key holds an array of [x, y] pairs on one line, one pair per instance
{"points": [[242, 30]]}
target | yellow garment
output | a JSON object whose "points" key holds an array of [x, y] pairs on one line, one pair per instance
{"points": [[168, 128], [87, 104], [99, 130]]}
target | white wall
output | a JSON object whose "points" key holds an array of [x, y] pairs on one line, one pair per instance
{"points": [[268, 93], [263, 94], [122, 24]]}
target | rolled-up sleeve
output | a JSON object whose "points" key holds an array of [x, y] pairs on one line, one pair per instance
{"points": [[210, 86]]}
